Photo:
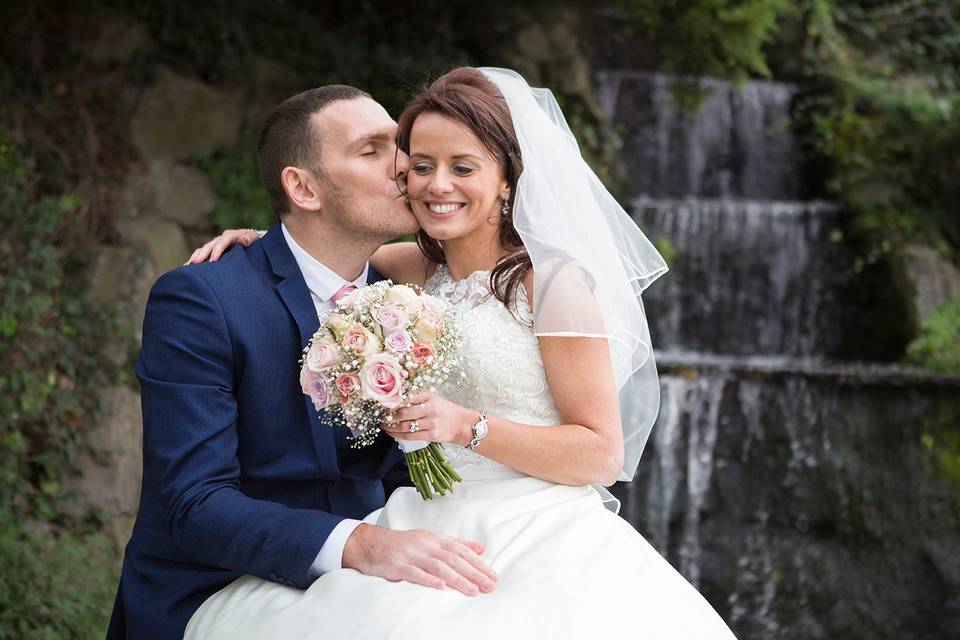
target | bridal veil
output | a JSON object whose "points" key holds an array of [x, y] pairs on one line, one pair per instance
{"points": [[590, 260]]}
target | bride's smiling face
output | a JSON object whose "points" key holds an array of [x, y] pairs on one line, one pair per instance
{"points": [[455, 184]]}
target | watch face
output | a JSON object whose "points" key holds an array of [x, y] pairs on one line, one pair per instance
{"points": [[480, 430]]}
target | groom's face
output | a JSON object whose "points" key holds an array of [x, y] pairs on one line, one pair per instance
{"points": [[361, 168]]}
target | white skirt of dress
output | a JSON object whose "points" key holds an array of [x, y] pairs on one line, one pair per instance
{"points": [[568, 568]]}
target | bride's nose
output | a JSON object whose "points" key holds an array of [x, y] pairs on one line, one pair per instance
{"points": [[441, 183]]}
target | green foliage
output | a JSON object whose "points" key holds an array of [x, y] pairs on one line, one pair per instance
{"points": [[381, 50], [51, 370], [941, 440], [54, 586], [720, 38], [50, 339], [883, 116], [60, 150], [667, 249], [938, 345], [242, 202]]}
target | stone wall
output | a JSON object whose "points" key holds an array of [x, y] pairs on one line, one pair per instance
{"points": [[162, 213]]}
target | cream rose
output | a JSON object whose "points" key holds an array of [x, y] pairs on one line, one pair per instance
{"points": [[338, 323], [429, 326], [322, 355], [360, 341], [351, 299], [401, 294], [381, 380]]}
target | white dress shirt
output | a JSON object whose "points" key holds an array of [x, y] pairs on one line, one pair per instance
{"points": [[323, 283]]}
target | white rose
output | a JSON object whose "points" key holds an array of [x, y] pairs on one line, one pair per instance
{"points": [[402, 294], [323, 354]]}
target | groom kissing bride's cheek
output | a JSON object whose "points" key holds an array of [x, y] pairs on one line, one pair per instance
{"points": [[262, 517]]}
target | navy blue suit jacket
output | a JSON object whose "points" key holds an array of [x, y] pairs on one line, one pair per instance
{"points": [[240, 473]]}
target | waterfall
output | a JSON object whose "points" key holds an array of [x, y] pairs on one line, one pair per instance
{"points": [[784, 479]]}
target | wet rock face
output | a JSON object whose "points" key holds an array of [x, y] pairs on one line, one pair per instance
{"points": [[802, 507], [737, 145], [934, 279], [749, 277], [788, 477]]}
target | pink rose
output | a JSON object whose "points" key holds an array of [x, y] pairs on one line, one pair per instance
{"points": [[399, 341], [391, 318], [381, 379], [360, 341], [323, 354], [315, 386], [423, 352], [348, 384]]}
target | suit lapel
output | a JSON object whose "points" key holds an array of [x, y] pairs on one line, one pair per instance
{"points": [[373, 275], [292, 289]]}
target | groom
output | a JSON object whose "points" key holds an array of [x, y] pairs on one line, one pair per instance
{"points": [[240, 474]]}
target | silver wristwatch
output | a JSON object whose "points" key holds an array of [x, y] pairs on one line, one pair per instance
{"points": [[479, 430]]}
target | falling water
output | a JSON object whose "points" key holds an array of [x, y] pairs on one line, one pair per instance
{"points": [[782, 481]]}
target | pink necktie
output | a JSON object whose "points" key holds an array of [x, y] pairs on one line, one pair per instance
{"points": [[344, 290]]}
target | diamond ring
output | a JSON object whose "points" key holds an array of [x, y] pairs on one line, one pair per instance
{"points": [[414, 427]]}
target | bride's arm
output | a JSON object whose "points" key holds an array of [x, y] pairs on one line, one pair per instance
{"points": [[400, 261], [587, 448]]}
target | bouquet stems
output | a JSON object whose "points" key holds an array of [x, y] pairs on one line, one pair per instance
{"points": [[430, 471]]}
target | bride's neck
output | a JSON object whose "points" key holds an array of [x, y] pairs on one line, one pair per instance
{"points": [[466, 255]]}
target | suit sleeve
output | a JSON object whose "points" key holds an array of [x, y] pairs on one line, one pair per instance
{"points": [[396, 476], [187, 371]]}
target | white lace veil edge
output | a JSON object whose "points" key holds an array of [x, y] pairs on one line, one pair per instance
{"points": [[591, 262]]}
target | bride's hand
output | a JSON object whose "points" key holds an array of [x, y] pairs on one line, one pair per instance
{"points": [[215, 248], [438, 420]]}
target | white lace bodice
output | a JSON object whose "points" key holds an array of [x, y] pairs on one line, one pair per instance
{"points": [[500, 358]]}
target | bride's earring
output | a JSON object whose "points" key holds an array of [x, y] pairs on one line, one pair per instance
{"points": [[505, 210]]}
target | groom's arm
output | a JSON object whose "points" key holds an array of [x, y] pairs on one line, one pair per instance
{"points": [[187, 372]]}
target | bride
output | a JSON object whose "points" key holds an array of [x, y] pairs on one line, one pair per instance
{"points": [[545, 272]]}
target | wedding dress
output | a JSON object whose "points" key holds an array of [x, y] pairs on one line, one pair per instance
{"points": [[568, 568]]}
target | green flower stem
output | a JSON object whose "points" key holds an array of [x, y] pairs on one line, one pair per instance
{"points": [[415, 467], [424, 475], [435, 451], [431, 472], [443, 469], [437, 476]]}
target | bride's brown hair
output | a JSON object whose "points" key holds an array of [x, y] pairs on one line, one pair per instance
{"points": [[466, 96]]}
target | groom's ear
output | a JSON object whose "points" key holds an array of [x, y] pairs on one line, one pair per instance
{"points": [[302, 188]]}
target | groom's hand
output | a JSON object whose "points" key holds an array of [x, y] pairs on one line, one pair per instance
{"points": [[419, 556]]}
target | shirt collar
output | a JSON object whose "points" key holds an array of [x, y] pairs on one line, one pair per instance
{"points": [[321, 281]]}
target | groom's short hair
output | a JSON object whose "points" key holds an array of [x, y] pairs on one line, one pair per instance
{"points": [[290, 138]]}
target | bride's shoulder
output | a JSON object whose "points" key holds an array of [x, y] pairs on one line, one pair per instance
{"points": [[559, 290], [403, 262]]}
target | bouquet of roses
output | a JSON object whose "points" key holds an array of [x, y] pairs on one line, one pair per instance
{"points": [[382, 344]]}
